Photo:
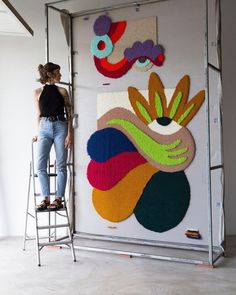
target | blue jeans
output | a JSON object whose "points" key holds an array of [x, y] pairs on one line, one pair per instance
{"points": [[52, 133]]}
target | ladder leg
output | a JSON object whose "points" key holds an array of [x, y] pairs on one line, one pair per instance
{"points": [[49, 229], [55, 214], [37, 239], [55, 222], [49, 213], [71, 239], [35, 205], [27, 207]]}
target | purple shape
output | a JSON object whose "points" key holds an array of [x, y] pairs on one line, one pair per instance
{"points": [[102, 25], [146, 49]]}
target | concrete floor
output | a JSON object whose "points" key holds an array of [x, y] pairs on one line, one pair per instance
{"points": [[108, 274]]}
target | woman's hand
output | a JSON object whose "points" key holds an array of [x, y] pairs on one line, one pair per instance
{"points": [[35, 138], [68, 141]]}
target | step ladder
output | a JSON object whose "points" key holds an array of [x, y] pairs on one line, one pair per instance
{"points": [[52, 225]]}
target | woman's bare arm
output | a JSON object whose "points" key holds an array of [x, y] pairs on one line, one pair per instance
{"points": [[68, 107], [37, 93]]}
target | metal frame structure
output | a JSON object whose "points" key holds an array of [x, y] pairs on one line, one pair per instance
{"points": [[214, 253]]}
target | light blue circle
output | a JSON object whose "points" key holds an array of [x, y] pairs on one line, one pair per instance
{"points": [[104, 52], [142, 64]]}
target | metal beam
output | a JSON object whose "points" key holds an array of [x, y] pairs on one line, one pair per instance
{"points": [[143, 255], [106, 9], [18, 16]]}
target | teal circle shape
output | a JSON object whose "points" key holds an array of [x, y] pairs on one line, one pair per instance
{"points": [[101, 53], [144, 64]]}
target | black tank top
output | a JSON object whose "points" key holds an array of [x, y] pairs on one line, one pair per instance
{"points": [[51, 102]]}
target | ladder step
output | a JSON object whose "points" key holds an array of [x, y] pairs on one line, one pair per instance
{"points": [[49, 174], [39, 195], [55, 243], [53, 226], [50, 210]]}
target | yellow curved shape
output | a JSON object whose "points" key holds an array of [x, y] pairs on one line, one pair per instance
{"points": [[119, 202]]}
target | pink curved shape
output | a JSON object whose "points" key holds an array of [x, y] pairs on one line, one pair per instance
{"points": [[104, 176]]}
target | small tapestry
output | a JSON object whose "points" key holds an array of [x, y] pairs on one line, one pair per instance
{"points": [[121, 45]]}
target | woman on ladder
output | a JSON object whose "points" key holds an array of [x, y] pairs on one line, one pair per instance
{"points": [[54, 128]]}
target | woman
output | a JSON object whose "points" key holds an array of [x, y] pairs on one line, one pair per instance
{"points": [[52, 103]]}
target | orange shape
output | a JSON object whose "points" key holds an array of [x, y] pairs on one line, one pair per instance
{"points": [[119, 202]]}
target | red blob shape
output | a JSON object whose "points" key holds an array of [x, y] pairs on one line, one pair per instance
{"points": [[104, 176], [116, 31], [101, 45], [159, 60]]}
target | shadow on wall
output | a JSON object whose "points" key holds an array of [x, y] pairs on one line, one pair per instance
{"points": [[229, 106]]}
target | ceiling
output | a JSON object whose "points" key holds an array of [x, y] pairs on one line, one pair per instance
{"points": [[11, 22]]}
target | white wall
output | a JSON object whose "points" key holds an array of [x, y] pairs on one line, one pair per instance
{"points": [[19, 58]]}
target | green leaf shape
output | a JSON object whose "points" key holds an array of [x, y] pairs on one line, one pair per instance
{"points": [[160, 153], [185, 114], [175, 105], [178, 152], [144, 112], [158, 105]]}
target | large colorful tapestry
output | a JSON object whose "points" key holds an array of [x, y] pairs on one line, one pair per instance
{"points": [[118, 46], [138, 158]]}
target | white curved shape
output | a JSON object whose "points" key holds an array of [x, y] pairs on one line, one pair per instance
{"points": [[164, 130]]}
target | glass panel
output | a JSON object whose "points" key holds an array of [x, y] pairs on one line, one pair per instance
{"points": [[215, 93], [59, 51], [212, 32]]}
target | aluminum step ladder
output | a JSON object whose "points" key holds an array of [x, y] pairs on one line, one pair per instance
{"points": [[52, 225]]}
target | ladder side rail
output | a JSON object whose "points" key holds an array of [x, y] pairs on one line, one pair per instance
{"points": [[27, 206], [55, 189], [36, 215], [70, 238]]}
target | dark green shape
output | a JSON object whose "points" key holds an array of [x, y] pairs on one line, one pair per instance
{"points": [[164, 202]]}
